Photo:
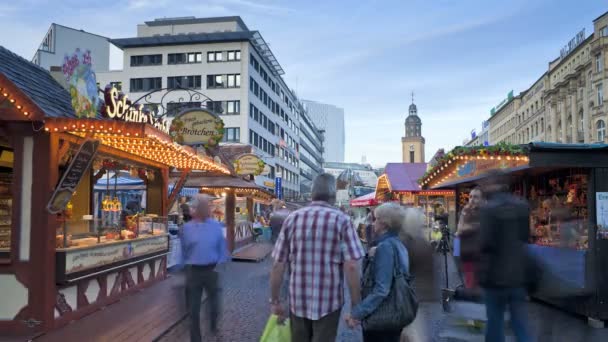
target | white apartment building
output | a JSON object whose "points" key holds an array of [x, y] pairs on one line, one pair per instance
{"points": [[60, 41], [228, 63], [330, 119]]}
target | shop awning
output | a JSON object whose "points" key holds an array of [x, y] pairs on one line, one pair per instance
{"points": [[216, 185], [138, 139], [121, 180], [368, 200]]}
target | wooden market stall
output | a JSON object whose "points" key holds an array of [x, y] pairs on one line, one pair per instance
{"points": [[59, 261], [566, 186], [400, 183], [233, 204]]}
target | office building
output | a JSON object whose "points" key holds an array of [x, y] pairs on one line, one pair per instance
{"points": [[329, 119], [61, 41], [311, 154], [230, 64]]}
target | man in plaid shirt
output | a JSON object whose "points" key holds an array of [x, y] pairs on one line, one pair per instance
{"points": [[321, 247]]}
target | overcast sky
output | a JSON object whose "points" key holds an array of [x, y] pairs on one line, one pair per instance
{"points": [[460, 57]]}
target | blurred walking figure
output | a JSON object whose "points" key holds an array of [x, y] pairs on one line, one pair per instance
{"points": [[204, 247], [384, 263], [468, 233], [369, 227], [277, 217], [504, 224], [321, 247]]}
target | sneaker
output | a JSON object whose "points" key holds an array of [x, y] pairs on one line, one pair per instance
{"points": [[446, 297]]}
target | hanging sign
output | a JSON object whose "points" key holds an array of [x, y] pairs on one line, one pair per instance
{"points": [[81, 162], [197, 127], [79, 74], [249, 164], [119, 107], [266, 170], [278, 187]]}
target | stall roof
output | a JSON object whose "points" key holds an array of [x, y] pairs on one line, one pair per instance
{"points": [[404, 176], [557, 146], [365, 200], [213, 184], [18, 75]]}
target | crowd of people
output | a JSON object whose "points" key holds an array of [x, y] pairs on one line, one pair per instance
{"points": [[317, 253]]}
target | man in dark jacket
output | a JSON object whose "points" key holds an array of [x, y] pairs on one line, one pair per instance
{"points": [[504, 223]]}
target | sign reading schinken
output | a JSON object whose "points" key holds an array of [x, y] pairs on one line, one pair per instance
{"points": [[197, 127], [249, 164], [79, 165]]}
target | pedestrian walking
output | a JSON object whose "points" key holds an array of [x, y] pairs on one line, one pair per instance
{"points": [[468, 234], [369, 227], [322, 248], [385, 262], [185, 209], [277, 217], [204, 247], [503, 267]]}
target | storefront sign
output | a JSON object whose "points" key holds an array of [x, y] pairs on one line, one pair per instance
{"points": [[87, 258], [502, 103], [473, 168], [81, 162], [119, 107], [79, 74], [249, 164], [269, 184], [278, 187], [572, 44], [197, 127]]}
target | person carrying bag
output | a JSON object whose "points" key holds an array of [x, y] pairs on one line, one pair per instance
{"points": [[389, 302]]}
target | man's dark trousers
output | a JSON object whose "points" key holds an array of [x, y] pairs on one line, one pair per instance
{"points": [[199, 278]]}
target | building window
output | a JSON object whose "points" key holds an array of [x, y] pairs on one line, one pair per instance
{"points": [[144, 60], [174, 108], [232, 134], [234, 81], [599, 63], [411, 156], [190, 82], [601, 131], [600, 94], [233, 107], [185, 58], [215, 81], [117, 85], [234, 55], [604, 31], [214, 56], [145, 84]]}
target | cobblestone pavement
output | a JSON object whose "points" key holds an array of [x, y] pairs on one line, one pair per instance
{"points": [[245, 311]]}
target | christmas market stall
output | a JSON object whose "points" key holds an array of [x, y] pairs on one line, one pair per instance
{"points": [[400, 183], [233, 204], [72, 240], [566, 186]]}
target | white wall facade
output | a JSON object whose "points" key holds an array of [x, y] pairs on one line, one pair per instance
{"points": [[331, 119], [60, 41], [243, 120]]}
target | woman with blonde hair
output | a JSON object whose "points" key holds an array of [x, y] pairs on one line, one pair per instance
{"points": [[385, 262]]}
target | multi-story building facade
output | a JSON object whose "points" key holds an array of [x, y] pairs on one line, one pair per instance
{"points": [[566, 103], [311, 154], [502, 121], [329, 119], [60, 41], [233, 66]]}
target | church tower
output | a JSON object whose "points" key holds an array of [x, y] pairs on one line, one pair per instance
{"points": [[413, 142]]}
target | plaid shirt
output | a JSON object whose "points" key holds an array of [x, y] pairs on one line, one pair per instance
{"points": [[315, 241]]}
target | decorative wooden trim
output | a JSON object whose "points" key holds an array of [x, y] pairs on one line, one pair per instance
{"points": [[61, 304], [81, 289], [183, 176], [117, 286]]}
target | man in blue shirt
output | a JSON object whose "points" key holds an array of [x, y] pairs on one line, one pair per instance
{"points": [[204, 247]]}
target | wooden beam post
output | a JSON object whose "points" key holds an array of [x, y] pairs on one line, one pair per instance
{"points": [[230, 219], [183, 177], [250, 213]]}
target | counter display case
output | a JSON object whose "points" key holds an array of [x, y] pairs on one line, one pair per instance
{"points": [[86, 247]]}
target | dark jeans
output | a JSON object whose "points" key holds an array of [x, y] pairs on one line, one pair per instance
{"points": [[381, 336], [197, 279], [497, 300], [322, 330]]}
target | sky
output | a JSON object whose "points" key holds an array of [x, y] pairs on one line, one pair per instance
{"points": [[459, 57]]}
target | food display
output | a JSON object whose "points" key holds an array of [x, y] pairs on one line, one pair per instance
{"points": [[559, 216]]}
